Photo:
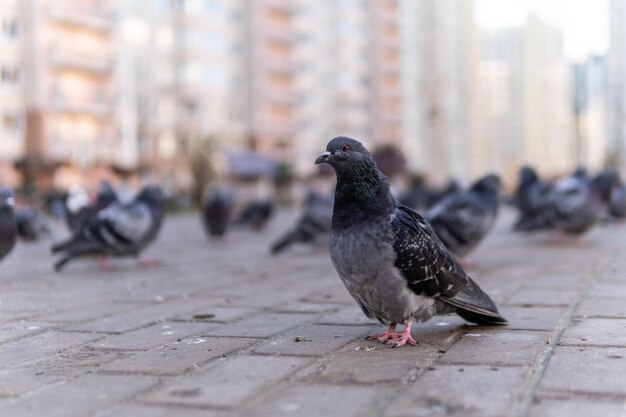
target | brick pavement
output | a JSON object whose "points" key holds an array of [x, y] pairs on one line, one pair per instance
{"points": [[223, 329]]}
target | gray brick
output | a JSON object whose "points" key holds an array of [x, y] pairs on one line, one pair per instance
{"points": [[348, 316], [88, 312], [17, 330], [178, 357], [209, 313], [602, 307], [153, 336], [593, 370], [83, 396], [543, 297], [559, 280], [42, 345], [263, 325], [575, 408], [608, 291], [462, 391], [532, 318], [317, 401], [485, 346], [213, 385], [596, 331], [135, 410]]}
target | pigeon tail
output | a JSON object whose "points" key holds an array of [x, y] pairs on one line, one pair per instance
{"points": [[474, 305], [285, 241]]}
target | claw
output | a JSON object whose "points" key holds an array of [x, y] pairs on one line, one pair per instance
{"points": [[383, 337], [404, 338]]}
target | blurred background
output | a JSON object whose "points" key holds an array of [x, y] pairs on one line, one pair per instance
{"points": [[187, 93]]}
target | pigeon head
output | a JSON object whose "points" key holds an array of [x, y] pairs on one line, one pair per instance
{"points": [[488, 187], [6, 198], [604, 183], [151, 195], [527, 175], [362, 189], [345, 154], [106, 193]]}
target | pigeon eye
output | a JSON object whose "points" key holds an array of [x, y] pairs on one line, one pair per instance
{"points": [[345, 148]]}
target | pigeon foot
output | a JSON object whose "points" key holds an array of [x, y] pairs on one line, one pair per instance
{"points": [[105, 264], [148, 263], [404, 338], [389, 334]]}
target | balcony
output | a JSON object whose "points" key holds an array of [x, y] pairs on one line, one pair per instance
{"points": [[96, 107], [91, 18], [93, 64]]}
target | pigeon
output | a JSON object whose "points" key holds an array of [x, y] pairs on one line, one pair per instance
{"points": [[8, 226], [462, 219], [256, 214], [389, 257], [30, 225], [120, 229], [617, 203], [576, 203], [436, 195], [312, 226], [530, 198], [79, 210], [217, 211]]}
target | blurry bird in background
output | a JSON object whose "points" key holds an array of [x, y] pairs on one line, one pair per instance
{"points": [[217, 211], [121, 229], [530, 198], [8, 225], [463, 218], [312, 227], [256, 214], [31, 226], [75, 204]]}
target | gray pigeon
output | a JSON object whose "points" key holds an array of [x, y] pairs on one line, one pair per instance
{"points": [[617, 203], [217, 211], [531, 198], [388, 257], [8, 224], [30, 224], [461, 220], [118, 230], [312, 226], [575, 203]]}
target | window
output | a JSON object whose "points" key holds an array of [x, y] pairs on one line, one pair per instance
{"points": [[11, 121], [9, 74], [10, 27]]}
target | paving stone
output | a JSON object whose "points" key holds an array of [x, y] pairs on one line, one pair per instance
{"points": [[531, 318], [213, 385], [384, 365], [593, 370], [88, 312], [83, 396], [486, 346], [263, 325], [135, 410], [17, 330], [564, 280], [39, 346], [304, 401], [465, 391], [602, 307], [153, 336], [312, 340], [348, 316], [595, 331], [178, 357], [608, 291], [576, 408], [543, 297], [209, 313]]}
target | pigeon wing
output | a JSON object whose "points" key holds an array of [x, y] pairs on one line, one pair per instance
{"points": [[431, 270]]}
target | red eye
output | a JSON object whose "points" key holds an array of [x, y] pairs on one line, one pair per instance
{"points": [[345, 148]]}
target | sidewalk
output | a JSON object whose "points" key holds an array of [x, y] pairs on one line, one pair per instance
{"points": [[226, 330]]}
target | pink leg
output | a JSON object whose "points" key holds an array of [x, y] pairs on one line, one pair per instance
{"points": [[148, 263], [466, 263], [383, 337], [404, 338], [104, 263]]}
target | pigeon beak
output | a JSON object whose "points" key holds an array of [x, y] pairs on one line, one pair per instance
{"points": [[322, 158]]}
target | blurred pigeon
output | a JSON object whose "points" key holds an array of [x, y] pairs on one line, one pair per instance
{"points": [[418, 197], [312, 227], [617, 203], [388, 257], [76, 211], [30, 225], [575, 203], [461, 220], [121, 229], [256, 214], [8, 227], [80, 212], [436, 195], [217, 211], [530, 198]]}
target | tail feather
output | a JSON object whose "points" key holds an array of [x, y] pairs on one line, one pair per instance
{"points": [[474, 305], [285, 241]]}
